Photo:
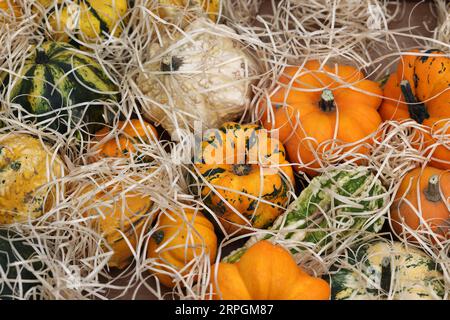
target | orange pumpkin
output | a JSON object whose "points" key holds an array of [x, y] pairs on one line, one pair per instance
{"points": [[180, 238], [419, 90], [118, 213], [10, 6], [267, 272], [430, 188], [320, 106], [130, 133]]}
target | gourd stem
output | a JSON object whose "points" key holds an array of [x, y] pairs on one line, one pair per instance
{"points": [[158, 236], [386, 274], [432, 192], [169, 64], [241, 169], [41, 56], [417, 110], [326, 103]]}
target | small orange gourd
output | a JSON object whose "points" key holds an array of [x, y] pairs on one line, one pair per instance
{"points": [[332, 102], [181, 236], [420, 90], [267, 272], [118, 213], [423, 198], [130, 133]]}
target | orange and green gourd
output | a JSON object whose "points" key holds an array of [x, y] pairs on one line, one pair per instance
{"points": [[249, 174], [130, 133], [419, 90], [88, 20]]}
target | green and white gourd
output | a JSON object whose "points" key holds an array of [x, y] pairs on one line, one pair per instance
{"points": [[336, 205], [383, 270], [62, 88]]}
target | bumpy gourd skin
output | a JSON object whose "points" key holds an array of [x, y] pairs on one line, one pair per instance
{"points": [[25, 166], [198, 76], [321, 206]]}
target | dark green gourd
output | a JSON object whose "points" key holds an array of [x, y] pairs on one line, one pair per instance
{"points": [[61, 87], [15, 280]]}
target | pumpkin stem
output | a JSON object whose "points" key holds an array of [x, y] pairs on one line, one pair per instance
{"points": [[169, 64], [158, 236], [41, 56], [326, 103], [241, 169], [432, 192], [417, 110]]}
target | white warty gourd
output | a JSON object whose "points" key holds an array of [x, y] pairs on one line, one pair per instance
{"points": [[203, 75]]}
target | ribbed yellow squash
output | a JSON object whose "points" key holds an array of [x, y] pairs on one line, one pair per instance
{"points": [[25, 166]]}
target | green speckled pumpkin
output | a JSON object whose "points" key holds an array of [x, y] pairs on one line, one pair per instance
{"points": [[383, 270], [245, 166], [57, 77], [305, 219], [11, 251]]}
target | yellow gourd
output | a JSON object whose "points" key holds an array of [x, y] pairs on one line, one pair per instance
{"points": [[179, 239], [119, 213], [89, 20], [25, 168]]}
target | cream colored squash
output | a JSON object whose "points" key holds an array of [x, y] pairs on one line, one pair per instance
{"points": [[202, 75], [25, 167]]}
